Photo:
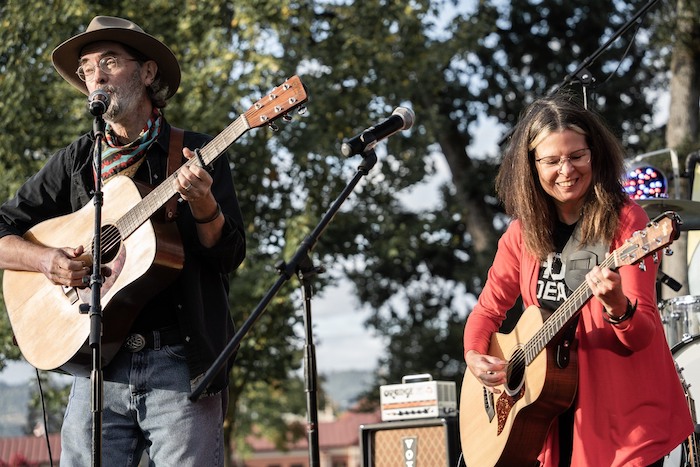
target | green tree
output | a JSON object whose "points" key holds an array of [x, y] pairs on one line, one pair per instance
{"points": [[47, 403], [453, 62], [32, 92]]}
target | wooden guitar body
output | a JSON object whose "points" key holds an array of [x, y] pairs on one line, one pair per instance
{"points": [[514, 426], [46, 320]]}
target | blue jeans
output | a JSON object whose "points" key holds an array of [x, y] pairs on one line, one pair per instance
{"points": [[146, 407]]}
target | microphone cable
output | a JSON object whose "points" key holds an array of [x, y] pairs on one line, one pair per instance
{"points": [[45, 417]]}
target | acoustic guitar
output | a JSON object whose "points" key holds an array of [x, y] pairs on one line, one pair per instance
{"points": [[143, 256], [510, 428]]}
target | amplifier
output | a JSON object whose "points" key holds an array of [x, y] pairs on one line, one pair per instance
{"points": [[423, 398], [411, 443]]}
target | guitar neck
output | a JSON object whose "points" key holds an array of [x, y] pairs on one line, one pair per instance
{"points": [[563, 315], [142, 211]]}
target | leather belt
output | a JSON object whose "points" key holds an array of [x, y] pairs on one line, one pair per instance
{"points": [[137, 341]]}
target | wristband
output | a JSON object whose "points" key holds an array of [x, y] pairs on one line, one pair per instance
{"points": [[211, 218], [624, 317]]}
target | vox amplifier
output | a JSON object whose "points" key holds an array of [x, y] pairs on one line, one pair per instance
{"points": [[411, 443]]}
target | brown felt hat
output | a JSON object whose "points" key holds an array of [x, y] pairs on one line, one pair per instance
{"points": [[65, 57]]}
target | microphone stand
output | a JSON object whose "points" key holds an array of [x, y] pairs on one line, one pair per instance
{"points": [[304, 271], [302, 266], [95, 307], [581, 72]]}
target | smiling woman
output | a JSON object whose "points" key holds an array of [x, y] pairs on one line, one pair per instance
{"points": [[566, 179], [561, 181]]}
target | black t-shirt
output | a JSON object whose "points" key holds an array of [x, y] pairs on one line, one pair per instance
{"points": [[551, 288], [552, 291]]}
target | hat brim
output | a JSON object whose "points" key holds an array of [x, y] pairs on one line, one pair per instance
{"points": [[66, 56]]}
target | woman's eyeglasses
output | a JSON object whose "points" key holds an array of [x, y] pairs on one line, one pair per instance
{"points": [[579, 158]]}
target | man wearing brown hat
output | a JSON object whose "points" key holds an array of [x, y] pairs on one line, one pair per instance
{"points": [[177, 332]]}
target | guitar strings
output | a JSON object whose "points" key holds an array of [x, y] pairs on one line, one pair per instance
{"points": [[551, 326], [137, 215]]}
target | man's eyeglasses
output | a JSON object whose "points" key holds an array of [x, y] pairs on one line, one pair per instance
{"points": [[108, 65], [579, 158]]}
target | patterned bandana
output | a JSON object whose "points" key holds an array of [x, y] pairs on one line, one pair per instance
{"points": [[126, 159]]}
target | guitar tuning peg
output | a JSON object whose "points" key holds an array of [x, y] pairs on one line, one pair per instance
{"points": [[655, 258], [287, 117], [642, 266], [273, 127], [668, 251], [302, 110]]}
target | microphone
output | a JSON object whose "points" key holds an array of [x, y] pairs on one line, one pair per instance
{"points": [[401, 119], [98, 102], [668, 280]]}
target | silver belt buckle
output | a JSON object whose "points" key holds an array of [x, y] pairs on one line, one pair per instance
{"points": [[135, 343]]}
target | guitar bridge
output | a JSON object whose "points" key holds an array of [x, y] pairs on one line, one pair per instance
{"points": [[71, 294]]}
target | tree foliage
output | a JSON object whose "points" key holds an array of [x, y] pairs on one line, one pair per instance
{"points": [[455, 63], [48, 400], [452, 62]]}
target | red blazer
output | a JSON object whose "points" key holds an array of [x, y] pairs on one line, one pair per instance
{"points": [[630, 407]]}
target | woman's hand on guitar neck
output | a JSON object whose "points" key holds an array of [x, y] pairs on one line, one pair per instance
{"points": [[488, 370], [606, 286]]}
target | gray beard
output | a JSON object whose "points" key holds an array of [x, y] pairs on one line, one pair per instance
{"points": [[125, 99]]}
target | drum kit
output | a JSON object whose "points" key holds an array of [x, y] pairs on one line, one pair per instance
{"points": [[681, 320]]}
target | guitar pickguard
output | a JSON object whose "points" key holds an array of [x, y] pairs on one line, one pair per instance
{"points": [[115, 268], [504, 405]]}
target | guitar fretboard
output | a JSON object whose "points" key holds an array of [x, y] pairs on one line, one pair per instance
{"points": [[568, 310], [153, 201]]}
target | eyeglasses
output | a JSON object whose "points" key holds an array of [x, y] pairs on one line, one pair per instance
{"points": [[108, 65], [579, 158]]}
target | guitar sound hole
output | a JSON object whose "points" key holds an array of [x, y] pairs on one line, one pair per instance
{"points": [[515, 373], [111, 242]]}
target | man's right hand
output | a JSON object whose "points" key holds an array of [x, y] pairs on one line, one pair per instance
{"points": [[65, 266]]}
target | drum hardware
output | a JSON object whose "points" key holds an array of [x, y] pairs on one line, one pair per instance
{"points": [[668, 281], [687, 357], [688, 210], [692, 441], [680, 317]]}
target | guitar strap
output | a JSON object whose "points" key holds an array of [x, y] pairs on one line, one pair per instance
{"points": [[177, 136], [578, 260]]}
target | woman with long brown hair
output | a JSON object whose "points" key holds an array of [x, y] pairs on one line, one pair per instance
{"points": [[561, 182]]}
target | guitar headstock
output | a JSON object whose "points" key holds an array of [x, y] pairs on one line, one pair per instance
{"points": [[279, 102], [659, 233]]}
